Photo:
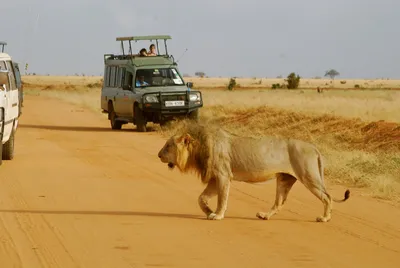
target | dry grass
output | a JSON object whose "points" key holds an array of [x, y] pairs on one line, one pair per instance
{"points": [[368, 105], [260, 82], [358, 150]]}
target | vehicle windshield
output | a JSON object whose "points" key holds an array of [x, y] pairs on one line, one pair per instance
{"points": [[158, 77]]}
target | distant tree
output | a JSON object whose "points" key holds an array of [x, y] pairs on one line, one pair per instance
{"points": [[293, 81], [232, 83], [332, 73], [200, 74]]}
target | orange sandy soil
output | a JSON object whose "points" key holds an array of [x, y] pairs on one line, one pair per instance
{"points": [[78, 194]]}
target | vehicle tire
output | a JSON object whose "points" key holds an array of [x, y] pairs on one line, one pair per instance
{"points": [[194, 115], [20, 108], [1, 153], [140, 120], [115, 124], [8, 147]]}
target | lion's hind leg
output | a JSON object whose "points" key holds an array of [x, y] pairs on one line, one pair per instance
{"points": [[318, 189], [209, 192], [284, 183]]}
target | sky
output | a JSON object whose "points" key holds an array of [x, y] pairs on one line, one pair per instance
{"points": [[252, 38]]}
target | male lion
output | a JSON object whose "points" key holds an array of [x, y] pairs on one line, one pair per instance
{"points": [[219, 157]]}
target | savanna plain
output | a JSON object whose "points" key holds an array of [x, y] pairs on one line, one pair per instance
{"points": [[79, 194]]}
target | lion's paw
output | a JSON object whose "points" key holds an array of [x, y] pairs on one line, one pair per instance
{"points": [[322, 219], [214, 216], [262, 215]]}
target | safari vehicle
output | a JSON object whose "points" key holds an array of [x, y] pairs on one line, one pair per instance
{"points": [[141, 89], [9, 105]]}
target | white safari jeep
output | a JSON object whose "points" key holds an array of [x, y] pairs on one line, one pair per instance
{"points": [[9, 105]]}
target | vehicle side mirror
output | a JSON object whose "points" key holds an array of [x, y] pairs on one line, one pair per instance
{"points": [[127, 87], [189, 84]]}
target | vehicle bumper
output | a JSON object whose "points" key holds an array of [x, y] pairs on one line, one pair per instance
{"points": [[163, 110]]}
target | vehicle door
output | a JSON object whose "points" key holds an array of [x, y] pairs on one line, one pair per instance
{"points": [[19, 86], [5, 100], [127, 87], [13, 93], [110, 91], [116, 89]]}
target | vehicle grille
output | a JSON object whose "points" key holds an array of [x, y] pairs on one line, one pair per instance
{"points": [[173, 97]]}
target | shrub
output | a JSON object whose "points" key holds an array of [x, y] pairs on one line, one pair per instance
{"points": [[293, 81], [232, 83], [275, 86]]}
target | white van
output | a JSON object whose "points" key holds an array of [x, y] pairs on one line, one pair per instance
{"points": [[10, 81]]}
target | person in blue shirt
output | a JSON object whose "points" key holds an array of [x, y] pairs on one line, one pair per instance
{"points": [[140, 81]]}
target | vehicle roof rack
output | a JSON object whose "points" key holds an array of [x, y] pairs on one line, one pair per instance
{"points": [[141, 38], [144, 37], [2, 45]]}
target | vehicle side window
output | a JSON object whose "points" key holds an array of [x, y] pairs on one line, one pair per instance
{"points": [[122, 75], [4, 80], [13, 85], [17, 75], [112, 76], [117, 81], [106, 76], [129, 78], [3, 65]]}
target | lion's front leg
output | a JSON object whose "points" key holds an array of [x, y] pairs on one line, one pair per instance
{"points": [[209, 192], [223, 186]]}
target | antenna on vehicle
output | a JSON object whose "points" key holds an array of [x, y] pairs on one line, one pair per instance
{"points": [[182, 54], [179, 57]]}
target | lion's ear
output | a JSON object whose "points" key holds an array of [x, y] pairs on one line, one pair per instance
{"points": [[187, 139]]}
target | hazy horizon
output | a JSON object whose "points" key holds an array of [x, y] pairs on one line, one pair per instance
{"points": [[222, 38]]}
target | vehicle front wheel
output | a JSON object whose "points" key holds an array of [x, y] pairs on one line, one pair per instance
{"points": [[115, 124], [140, 120]]}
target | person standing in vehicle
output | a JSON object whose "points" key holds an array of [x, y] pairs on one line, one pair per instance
{"points": [[152, 51], [143, 52]]}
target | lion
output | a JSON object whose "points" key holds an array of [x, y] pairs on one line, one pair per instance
{"points": [[219, 157]]}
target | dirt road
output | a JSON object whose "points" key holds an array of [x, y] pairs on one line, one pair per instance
{"points": [[80, 195]]}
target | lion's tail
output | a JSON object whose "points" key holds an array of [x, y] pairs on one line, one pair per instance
{"points": [[346, 196], [321, 173]]}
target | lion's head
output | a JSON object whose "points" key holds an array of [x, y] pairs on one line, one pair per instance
{"points": [[177, 151], [189, 150]]}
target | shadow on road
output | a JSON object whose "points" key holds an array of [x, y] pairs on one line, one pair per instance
{"points": [[132, 213], [80, 128]]}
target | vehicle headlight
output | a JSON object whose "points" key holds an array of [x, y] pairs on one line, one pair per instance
{"points": [[151, 98], [194, 97]]}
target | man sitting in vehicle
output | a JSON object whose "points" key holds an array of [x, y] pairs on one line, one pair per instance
{"points": [[140, 81]]}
